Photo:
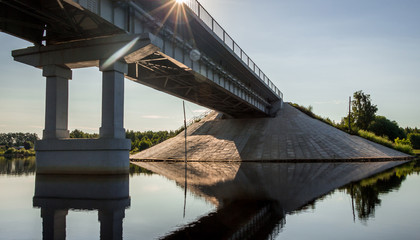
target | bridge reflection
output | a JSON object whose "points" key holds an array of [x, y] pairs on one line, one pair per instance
{"points": [[252, 199], [57, 194]]}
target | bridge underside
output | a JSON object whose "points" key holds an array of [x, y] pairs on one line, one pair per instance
{"points": [[165, 74], [124, 40], [168, 68]]}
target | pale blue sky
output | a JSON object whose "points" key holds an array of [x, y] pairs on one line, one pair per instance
{"points": [[317, 52]]}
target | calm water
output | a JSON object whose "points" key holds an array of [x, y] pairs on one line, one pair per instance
{"points": [[259, 201]]}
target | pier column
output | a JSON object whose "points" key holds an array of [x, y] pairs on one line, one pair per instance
{"points": [[112, 100], [54, 223], [111, 224], [56, 101]]}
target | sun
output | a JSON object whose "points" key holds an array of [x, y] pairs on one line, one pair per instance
{"points": [[180, 1]]}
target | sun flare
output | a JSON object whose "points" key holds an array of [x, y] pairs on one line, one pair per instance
{"points": [[180, 1]]}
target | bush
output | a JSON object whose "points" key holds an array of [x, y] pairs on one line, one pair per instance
{"points": [[414, 139], [10, 151], [28, 145], [402, 141], [384, 141], [372, 137], [404, 148], [382, 126]]}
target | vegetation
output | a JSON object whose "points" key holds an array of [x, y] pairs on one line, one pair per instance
{"points": [[382, 126], [366, 193], [399, 145], [363, 111], [9, 140], [414, 139], [80, 134], [308, 111], [139, 140], [366, 124], [17, 144]]}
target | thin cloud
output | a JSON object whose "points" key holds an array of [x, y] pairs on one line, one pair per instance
{"points": [[154, 117], [336, 102], [199, 111]]}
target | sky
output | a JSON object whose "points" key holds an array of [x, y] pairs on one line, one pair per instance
{"points": [[317, 52]]}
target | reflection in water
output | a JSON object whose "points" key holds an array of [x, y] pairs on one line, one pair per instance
{"points": [[237, 220], [252, 199], [366, 193], [242, 191], [56, 194], [17, 166]]}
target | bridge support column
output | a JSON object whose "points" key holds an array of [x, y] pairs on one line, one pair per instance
{"points": [[54, 223], [113, 100], [56, 101], [58, 154], [111, 223]]}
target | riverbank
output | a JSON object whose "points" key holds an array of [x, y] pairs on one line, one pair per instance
{"points": [[292, 136], [12, 152]]}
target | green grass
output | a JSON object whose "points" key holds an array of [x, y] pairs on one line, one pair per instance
{"points": [[361, 133], [383, 141], [416, 151]]}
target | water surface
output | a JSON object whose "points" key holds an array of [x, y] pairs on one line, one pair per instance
{"points": [[262, 201]]}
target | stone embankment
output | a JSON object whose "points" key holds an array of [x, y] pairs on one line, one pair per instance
{"points": [[292, 136]]}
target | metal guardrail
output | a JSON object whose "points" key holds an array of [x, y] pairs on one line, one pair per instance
{"points": [[202, 14]]}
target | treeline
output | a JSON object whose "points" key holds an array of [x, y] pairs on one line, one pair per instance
{"points": [[139, 140], [364, 122], [143, 140], [26, 140]]}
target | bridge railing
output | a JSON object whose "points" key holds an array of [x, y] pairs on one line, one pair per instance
{"points": [[202, 13]]}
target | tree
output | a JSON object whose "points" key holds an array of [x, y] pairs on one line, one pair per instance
{"points": [[415, 140], [382, 126], [28, 145], [363, 111]]}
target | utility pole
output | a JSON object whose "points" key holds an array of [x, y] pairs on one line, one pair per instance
{"points": [[185, 134], [349, 118], [185, 131]]}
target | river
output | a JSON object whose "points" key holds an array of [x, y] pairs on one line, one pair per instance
{"points": [[212, 201]]}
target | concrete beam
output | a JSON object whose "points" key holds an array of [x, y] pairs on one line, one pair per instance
{"points": [[82, 156], [88, 53]]}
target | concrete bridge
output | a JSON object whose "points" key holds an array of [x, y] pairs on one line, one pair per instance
{"points": [[175, 47]]}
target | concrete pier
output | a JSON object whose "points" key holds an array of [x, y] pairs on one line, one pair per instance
{"points": [[56, 153]]}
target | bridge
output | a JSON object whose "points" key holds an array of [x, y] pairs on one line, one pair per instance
{"points": [[180, 48], [172, 46]]}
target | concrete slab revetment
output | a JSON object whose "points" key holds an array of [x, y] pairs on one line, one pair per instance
{"points": [[291, 136]]}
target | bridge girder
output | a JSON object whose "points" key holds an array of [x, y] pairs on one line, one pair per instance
{"points": [[236, 91]]}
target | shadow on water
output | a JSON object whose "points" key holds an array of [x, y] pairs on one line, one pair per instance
{"points": [[253, 199]]}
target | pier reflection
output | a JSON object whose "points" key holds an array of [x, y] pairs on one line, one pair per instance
{"points": [[252, 199], [57, 194]]}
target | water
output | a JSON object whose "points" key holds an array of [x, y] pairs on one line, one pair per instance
{"points": [[223, 200]]}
